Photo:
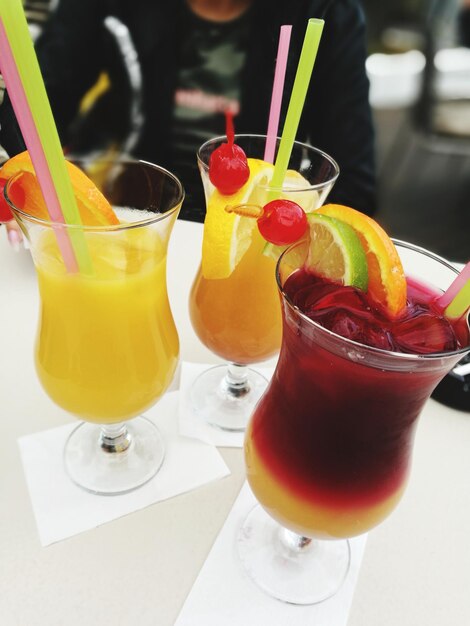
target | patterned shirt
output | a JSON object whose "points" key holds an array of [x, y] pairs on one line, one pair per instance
{"points": [[211, 61]]}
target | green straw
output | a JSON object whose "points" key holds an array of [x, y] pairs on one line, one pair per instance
{"points": [[299, 91], [17, 31]]}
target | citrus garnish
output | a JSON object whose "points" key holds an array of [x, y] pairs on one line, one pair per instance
{"points": [[335, 252], [26, 193], [387, 281], [297, 189], [227, 236]]}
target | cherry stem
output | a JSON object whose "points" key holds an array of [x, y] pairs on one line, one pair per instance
{"points": [[229, 129], [245, 210]]}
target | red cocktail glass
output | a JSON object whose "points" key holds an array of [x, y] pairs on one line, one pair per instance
{"points": [[328, 448]]}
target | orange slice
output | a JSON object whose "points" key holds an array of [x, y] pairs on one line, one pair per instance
{"points": [[26, 193], [387, 281]]}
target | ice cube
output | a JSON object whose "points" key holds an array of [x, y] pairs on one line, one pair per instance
{"points": [[424, 333], [359, 328]]}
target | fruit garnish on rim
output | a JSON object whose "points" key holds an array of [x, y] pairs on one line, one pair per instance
{"points": [[336, 253], [280, 222], [346, 247], [339, 277], [227, 235], [26, 193], [387, 281], [5, 214], [228, 165]]}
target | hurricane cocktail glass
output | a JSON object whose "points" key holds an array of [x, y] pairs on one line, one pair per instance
{"points": [[238, 317], [328, 448], [107, 346]]}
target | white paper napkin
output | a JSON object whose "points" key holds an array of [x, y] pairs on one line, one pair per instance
{"points": [[62, 509], [192, 425], [224, 594]]}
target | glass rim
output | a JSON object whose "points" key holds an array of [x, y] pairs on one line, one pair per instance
{"points": [[158, 217], [387, 354], [325, 155]]}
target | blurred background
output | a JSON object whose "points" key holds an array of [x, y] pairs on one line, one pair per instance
{"points": [[419, 71]]}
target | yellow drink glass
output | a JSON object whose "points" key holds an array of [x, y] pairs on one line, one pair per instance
{"points": [[107, 346], [239, 317]]}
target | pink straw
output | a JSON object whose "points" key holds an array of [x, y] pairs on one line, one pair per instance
{"points": [[276, 97], [30, 135], [457, 285]]}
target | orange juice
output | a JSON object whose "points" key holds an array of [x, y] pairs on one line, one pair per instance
{"points": [[239, 318], [107, 346], [234, 302], [304, 513]]}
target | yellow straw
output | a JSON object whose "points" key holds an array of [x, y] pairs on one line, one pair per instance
{"points": [[460, 304]]}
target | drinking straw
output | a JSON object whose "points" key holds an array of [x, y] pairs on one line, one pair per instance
{"points": [[456, 299], [25, 86], [308, 55], [455, 287], [25, 120], [460, 304], [278, 88]]}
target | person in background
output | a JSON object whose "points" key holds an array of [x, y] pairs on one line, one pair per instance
{"points": [[184, 62], [464, 23]]}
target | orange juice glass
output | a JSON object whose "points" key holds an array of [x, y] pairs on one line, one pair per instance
{"points": [[107, 346], [239, 317]]}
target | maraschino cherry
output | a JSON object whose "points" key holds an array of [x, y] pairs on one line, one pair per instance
{"points": [[228, 167], [5, 213], [283, 222]]}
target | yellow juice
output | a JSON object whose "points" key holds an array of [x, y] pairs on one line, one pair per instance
{"points": [[107, 346], [239, 317], [306, 515]]}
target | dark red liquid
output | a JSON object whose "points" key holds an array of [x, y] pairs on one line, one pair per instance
{"points": [[349, 312], [336, 424]]}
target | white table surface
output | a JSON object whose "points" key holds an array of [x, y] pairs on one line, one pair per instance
{"points": [[138, 570]]}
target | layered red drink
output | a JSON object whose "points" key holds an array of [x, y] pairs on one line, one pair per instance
{"points": [[329, 446]]}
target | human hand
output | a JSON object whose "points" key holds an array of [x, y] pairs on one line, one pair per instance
{"points": [[14, 234]]}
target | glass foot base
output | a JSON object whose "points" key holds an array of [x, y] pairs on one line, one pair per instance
{"points": [[296, 573], [100, 468], [221, 406]]}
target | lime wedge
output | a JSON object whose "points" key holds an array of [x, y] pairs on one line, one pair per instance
{"points": [[387, 281], [336, 252]]}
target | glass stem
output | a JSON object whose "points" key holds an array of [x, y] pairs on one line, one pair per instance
{"points": [[294, 542], [235, 383], [115, 438]]}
